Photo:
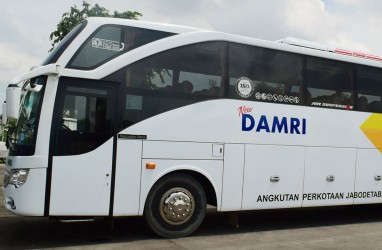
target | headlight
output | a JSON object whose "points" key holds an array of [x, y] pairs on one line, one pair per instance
{"points": [[16, 177]]}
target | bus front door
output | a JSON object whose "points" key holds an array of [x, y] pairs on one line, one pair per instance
{"points": [[82, 160]]}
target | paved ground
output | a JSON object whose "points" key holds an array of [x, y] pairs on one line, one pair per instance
{"points": [[357, 227], [349, 228], [3, 212]]}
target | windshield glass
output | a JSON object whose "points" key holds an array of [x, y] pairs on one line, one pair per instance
{"points": [[22, 138]]}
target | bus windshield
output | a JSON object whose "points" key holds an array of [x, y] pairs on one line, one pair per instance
{"points": [[22, 138]]}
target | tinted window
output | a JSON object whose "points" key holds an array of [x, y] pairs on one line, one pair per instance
{"points": [[369, 82], [109, 42], [85, 119], [265, 75], [329, 84], [172, 79]]}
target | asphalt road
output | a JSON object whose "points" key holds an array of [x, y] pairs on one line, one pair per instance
{"points": [[358, 227], [326, 228]]}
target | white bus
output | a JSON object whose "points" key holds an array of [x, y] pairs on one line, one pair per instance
{"points": [[128, 118]]}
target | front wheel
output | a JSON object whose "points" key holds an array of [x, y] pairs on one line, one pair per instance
{"points": [[175, 206]]}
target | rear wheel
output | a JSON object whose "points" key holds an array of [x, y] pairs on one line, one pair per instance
{"points": [[175, 206]]}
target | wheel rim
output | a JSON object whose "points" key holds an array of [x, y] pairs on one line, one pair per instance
{"points": [[177, 206]]}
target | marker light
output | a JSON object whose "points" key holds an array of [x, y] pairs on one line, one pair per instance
{"points": [[150, 165]]}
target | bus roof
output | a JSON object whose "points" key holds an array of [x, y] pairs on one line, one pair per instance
{"points": [[189, 35], [172, 28]]}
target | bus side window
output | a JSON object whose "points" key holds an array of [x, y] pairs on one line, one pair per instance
{"points": [[174, 78], [273, 76], [104, 44], [369, 83], [192, 69], [330, 84]]}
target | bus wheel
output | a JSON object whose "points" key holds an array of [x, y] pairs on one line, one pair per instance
{"points": [[175, 206]]}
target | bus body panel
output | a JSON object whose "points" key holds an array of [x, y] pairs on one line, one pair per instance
{"points": [[29, 199], [178, 150], [368, 184], [233, 177], [221, 121], [81, 183], [268, 183], [329, 176], [35, 161], [127, 177], [306, 152]]}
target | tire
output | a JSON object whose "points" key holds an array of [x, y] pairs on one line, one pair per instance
{"points": [[175, 206]]}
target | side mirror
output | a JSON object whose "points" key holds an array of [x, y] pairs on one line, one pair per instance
{"points": [[4, 117], [13, 101], [33, 88]]}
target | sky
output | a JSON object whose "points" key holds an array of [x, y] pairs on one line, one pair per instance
{"points": [[25, 25]]}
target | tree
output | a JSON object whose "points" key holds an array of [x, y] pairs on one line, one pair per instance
{"points": [[75, 16]]}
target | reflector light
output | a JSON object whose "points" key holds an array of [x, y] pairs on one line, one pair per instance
{"points": [[150, 165], [345, 52], [357, 54], [374, 57]]}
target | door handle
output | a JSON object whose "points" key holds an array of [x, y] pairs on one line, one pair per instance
{"points": [[275, 178], [377, 178], [330, 178]]}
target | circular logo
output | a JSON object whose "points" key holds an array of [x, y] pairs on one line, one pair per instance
{"points": [[244, 87], [258, 96]]}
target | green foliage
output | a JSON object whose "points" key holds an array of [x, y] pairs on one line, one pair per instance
{"points": [[75, 16], [8, 129]]}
